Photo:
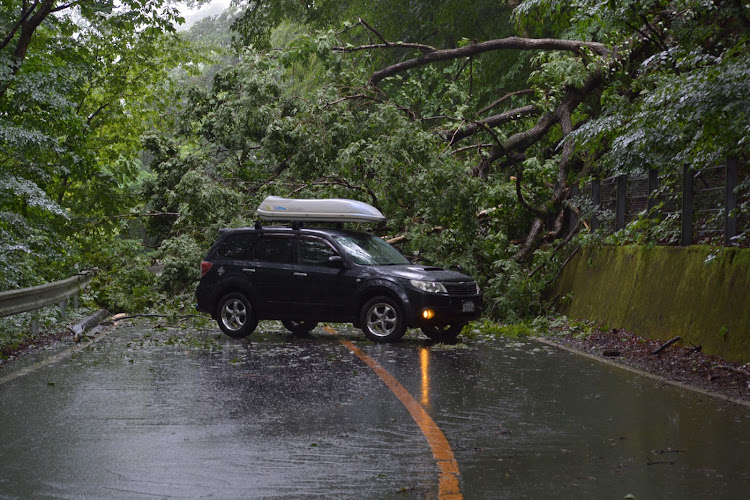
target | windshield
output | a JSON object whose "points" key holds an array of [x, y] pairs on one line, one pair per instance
{"points": [[369, 250]]}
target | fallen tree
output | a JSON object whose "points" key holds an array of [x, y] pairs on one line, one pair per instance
{"points": [[585, 110], [513, 148]]}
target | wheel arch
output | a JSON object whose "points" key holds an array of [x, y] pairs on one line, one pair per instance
{"points": [[234, 286], [388, 289]]}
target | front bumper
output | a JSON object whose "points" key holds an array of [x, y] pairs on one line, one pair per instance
{"points": [[438, 309]]}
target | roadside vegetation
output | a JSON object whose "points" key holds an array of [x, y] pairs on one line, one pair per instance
{"points": [[125, 144]]}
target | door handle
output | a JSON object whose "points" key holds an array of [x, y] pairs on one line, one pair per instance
{"points": [[248, 270], [302, 275]]}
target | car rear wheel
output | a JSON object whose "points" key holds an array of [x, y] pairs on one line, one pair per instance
{"points": [[382, 320], [235, 315], [299, 328], [444, 333]]}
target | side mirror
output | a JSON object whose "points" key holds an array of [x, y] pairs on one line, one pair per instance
{"points": [[336, 261]]}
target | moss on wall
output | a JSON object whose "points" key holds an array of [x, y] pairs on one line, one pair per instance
{"points": [[700, 293]]}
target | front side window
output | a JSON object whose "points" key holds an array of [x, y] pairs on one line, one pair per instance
{"points": [[314, 252], [369, 250]]}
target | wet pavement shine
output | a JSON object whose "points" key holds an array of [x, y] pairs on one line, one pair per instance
{"points": [[164, 412]]}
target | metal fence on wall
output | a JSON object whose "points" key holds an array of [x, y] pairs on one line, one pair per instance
{"points": [[704, 201]]}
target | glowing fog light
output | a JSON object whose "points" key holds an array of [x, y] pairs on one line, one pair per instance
{"points": [[428, 314]]}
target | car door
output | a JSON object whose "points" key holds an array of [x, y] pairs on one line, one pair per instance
{"points": [[325, 292], [272, 271]]}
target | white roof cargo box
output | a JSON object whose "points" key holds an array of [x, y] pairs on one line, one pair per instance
{"points": [[275, 208]]}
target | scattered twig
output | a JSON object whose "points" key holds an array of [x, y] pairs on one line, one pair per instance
{"points": [[570, 257], [664, 462], [132, 316], [473, 146], [695, 349], [667, 344], [504, 98], [385, 43], [734, 370]]}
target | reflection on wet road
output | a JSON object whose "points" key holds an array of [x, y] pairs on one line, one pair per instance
{"points": [[184, 413], [441, 448]]}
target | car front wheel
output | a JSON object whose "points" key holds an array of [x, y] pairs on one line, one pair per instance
{"points": [[443, 333], [235, 315], [382, 320]]}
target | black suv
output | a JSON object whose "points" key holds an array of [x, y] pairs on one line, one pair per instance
{"points": [[305, 275]]}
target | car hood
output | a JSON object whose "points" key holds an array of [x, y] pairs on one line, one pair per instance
{"points": [[422, 273]]}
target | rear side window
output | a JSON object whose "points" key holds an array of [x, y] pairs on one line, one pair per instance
{"points": [[237, 246], [276, 249]]}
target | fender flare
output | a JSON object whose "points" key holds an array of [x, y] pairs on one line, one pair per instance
{"points": [[236, 284], [376, 287]]}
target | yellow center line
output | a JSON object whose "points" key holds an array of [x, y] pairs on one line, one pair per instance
{"points": [[449, 487]]}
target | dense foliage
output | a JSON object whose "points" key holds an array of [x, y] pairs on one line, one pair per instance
{"points": [[79, 83], [467, 123]]}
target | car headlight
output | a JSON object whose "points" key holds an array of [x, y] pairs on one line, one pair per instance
{"points": [[428, 286]]}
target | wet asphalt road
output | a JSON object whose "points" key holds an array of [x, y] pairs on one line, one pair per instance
{"points": [[152, 412]]}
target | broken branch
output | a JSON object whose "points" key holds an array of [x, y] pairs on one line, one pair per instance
{"points": [[667, 344], [473, 49]]}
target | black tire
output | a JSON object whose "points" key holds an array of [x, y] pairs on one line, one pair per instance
{"points": [[445, 334], [235, 315], [382, 320], [299, 328]]}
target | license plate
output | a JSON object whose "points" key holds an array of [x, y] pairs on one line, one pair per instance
{"points": [[468, 307]]}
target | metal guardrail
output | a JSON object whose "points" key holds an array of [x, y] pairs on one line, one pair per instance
{"points": [[36, 297]]}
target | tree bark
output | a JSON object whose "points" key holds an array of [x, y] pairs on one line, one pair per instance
{"points": [[453, 136], [513, 43], [28, 23]]}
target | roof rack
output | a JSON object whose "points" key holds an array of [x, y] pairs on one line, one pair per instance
{"points": [[275, 208]]}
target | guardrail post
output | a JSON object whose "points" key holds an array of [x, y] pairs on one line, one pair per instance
{"points": [[730, 203], [62, 306], [687, 206]]}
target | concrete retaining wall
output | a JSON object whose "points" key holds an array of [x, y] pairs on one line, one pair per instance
{"points": [[700, 293]]}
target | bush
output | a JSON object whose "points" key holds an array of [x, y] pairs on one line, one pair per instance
{"points": [[181, 257]]}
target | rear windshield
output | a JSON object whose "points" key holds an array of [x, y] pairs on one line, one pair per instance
{"points": [[369, 250]]}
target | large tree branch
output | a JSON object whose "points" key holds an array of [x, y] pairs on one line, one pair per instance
{"points": [[522, 200], [532, 241], [514, 43], [572, 98], [27, 30], [12, 32], [29, 21], [470, 129]]}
